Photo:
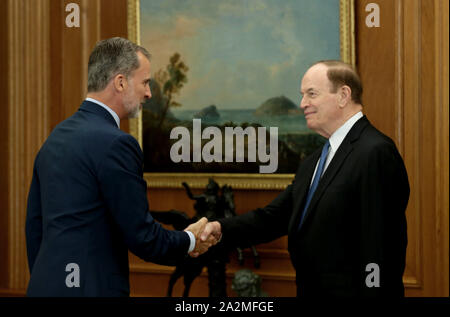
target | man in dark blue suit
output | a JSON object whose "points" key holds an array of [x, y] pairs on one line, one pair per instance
{"points": [[87, 203], [344, 213]]}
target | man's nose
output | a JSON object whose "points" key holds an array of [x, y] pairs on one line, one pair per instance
{"points": [[303, 103], [148, 93]]}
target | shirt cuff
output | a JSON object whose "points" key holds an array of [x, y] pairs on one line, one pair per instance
{"points": [[192, 244]]}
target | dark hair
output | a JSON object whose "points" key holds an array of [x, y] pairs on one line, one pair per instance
{"points": [[111, 57], [340, 74]]}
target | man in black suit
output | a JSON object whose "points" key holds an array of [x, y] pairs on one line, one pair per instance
{"points": [[87, 203], [344, 213]]}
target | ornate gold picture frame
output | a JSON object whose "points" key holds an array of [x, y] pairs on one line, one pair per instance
{"points": [[242, 181]]}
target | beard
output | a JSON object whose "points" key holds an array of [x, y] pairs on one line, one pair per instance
{"points": [[132, 106], [134, 112]]}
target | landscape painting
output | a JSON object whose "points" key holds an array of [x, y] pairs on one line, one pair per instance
{"points": [[229, 64]]}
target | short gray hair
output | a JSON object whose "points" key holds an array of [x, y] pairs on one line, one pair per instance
{"points": [[111, 57]]}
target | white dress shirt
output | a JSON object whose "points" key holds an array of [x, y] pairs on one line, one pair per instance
{"points": [[336, 139]]}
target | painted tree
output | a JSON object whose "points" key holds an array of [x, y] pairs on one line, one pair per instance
{"points": [[171, 80]]}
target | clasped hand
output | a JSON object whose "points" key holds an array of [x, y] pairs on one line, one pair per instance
{"points": [[206, 235]]}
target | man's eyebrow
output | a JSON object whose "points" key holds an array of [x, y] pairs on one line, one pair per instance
{"points": [[307, 90]]}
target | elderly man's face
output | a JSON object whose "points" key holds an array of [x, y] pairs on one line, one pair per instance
{"points": [[319, 105]]}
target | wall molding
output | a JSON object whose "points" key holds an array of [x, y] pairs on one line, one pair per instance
{"points": [[28, 91], [441, 29], [409, 121]]}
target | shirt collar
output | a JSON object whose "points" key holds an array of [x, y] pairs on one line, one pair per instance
{"points": [[115, 116], [338, 136]]}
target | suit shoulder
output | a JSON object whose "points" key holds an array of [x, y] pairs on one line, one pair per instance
{"points": [[372, 138], [98, 130], [375, 145], [87, 135]]}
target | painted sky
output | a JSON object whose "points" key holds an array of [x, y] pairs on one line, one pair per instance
{"points": [[240, 52]]}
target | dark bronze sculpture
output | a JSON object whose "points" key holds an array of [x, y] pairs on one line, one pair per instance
{"points": [[213, 206], [247, 284]]}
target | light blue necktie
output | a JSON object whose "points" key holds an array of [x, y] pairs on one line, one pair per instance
{"points": [[312, 189]]}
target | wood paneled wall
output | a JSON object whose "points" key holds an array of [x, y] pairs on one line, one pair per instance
{"points": [[404, 68], [4, 186]]}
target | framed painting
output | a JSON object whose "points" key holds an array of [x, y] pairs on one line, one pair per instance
{"points": [[225, 86]]}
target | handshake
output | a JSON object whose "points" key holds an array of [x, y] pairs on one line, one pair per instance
{"points": [[206, 235]]}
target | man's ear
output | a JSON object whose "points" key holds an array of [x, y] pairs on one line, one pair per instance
{"points": [[120, 82], [345, 95]]}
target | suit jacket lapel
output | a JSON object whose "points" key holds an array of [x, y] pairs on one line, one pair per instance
{"points": [[339, 158], [328, 176]]}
